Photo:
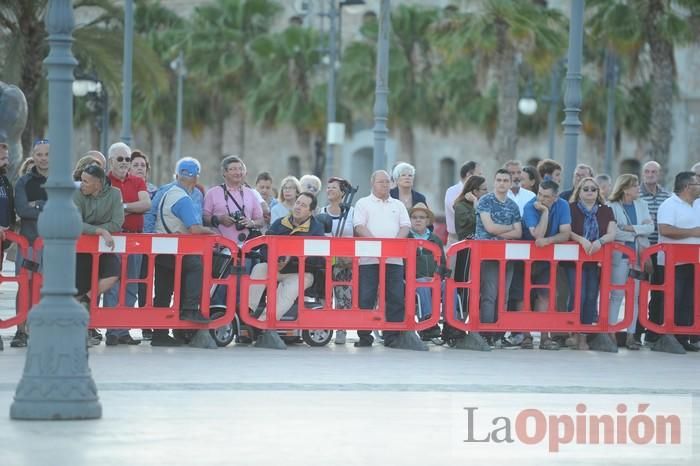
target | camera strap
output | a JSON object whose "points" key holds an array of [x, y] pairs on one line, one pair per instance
{"points": [[228, 195]]}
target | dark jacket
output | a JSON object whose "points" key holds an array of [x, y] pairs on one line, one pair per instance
{"points": [[283, 227], [465, 219], [425, 261], [30, 188], [416, 197]]}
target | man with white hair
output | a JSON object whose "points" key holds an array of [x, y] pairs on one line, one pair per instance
{"points": [[381, 216], [135, 201]]}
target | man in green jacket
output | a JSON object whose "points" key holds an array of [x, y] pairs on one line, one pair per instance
{"points": [[102, 212]]}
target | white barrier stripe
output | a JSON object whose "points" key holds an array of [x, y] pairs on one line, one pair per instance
{"points": [[119, 244], [368, 249], [517, 251], [317, 247], [164, 245], [566, 252]]}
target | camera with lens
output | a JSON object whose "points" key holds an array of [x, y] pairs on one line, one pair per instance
{"points": [[238, 220]]}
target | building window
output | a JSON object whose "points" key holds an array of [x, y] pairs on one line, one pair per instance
{"points": [[294, 166], [448, 173]]}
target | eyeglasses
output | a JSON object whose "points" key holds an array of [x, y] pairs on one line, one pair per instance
{"points": [[589, 190], [419, 217], [123, 159], [94, 170]]}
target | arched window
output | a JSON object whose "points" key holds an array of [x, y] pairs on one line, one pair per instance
{"points": [[294, 166], [448, 173]]}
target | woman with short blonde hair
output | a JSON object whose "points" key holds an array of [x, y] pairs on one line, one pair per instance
{"points": [[290, 188]]}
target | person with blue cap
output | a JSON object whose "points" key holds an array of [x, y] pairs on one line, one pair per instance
{"points": [[177, 213]]}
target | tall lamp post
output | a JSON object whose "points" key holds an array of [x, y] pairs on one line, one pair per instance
{"points": [[381, 93], [572, 97], [611, 73], [127, 70], [334, 131], [57, 383], [178, 65], [95, 90]]}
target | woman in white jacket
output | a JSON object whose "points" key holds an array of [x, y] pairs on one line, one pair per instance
{"points": [[634, 225]]}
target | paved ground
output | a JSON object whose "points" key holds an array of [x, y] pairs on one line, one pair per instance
{"points": [[331, 405]]}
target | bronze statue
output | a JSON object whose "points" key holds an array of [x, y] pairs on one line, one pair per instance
{"points": [[13, 118]]}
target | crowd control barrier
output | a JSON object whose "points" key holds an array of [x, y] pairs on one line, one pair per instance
{"points": [[326, 315], [567, 255], [22, 280], [149, 247], [678, 283]]}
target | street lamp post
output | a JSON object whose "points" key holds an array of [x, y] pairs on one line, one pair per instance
{"points": [[178, 65], [611, 70], [127, 70], [57, 383], [572, 97], [553, 100], [381, 101], [96, 91]]}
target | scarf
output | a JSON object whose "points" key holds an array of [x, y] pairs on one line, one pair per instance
{"points": [[590, 222], [425, 236]]}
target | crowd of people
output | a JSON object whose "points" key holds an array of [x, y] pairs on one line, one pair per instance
{"points": [[515, 203]]}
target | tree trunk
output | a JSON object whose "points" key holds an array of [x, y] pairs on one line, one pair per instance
{"points": [[408, 144], [32, 28], [241, 132], [662, 80], [507, 78]]}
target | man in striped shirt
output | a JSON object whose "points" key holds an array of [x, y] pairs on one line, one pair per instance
{"points": [[654, 195]]}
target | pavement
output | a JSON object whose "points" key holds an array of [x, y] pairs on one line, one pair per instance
{"points": [[341, 405]]}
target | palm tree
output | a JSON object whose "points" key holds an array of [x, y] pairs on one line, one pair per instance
{"points": [[630, 26], [218, 55], [288, 90], [497, 34], [412, 99], [98, 46]]}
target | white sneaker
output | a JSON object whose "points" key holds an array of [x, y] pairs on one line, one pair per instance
{"points": [[340, 337]]}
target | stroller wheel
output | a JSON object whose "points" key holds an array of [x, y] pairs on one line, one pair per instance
{"points": [[223, 335], [317, 337]]}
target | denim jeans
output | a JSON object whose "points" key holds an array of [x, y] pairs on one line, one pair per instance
{"points": [[489, 289], [111, 296], [620, 272], [395, 290]]}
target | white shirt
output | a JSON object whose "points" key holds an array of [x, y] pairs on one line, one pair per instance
{"points": [[676, 212], [450, 198], [522, 198], [347, 228], [383, 218]]}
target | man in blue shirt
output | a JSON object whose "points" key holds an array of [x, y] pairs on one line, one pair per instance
{"points": [[178, 213], [498, 218], [546, 220]]}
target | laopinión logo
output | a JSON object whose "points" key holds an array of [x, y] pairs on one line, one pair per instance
{"points": [[580, 425]]}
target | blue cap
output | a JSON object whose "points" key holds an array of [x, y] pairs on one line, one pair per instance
{"points": [[188, 168]]}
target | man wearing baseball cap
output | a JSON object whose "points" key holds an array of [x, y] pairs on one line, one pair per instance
{"points": [[177, 214]]}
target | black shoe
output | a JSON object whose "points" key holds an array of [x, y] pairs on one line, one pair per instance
{"points": [[95, 334], [364, 342], [112, 340], [19, 340], [146, 333], [127, 340], [430, 333], [193, 316], [688, 346], [163, 339]]}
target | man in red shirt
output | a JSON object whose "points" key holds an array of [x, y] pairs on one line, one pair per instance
{"points": [[136, 202]]}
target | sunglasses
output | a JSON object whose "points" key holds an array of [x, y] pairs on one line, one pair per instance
{"points": [[589, 190], [94, 170], [123, 159], [40, 141]]}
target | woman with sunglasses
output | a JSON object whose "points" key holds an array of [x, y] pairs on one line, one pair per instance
{"points": [[592, 225]]}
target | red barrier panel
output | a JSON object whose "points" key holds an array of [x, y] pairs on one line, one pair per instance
{"points": [[325, 315], [681, 275], [570, 255], [151, 246], [22, 280]]}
